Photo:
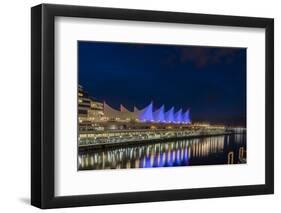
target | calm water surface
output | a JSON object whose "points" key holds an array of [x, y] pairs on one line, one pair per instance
{"points": [[213, 150]]}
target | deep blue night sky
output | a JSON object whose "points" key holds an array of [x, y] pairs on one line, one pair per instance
{"points": [[211, 81]]}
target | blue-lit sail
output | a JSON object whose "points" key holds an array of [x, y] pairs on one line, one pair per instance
{"points": [[146, 114], [178, 116], [159, 115], [169, 115], [186, 117]]}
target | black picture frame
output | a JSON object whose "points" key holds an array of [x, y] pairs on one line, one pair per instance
{"points": [[43, 110]]}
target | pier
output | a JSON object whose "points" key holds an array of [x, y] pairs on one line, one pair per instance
{"points": [[101, 139]]}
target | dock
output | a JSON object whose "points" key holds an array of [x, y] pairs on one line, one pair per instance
{"points": [[93, 140]]}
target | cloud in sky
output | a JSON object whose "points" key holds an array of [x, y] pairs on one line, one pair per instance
{"points": [[202, 56]]}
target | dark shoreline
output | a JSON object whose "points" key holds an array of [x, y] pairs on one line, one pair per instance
{"points": [[85, 148]]}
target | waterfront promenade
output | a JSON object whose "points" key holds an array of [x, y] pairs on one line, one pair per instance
{"points": [[110, 138]]}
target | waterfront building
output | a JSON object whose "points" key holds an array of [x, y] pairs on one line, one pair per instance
{"points": [[112, 114], [146, 115], [169, 115], [159, 115], [84, 104], [91, 112], [89, 109], [178, 117], [95, 112], [186, 117]]}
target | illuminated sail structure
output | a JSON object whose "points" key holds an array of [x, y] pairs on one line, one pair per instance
{"points": [[186, 117], [159, 115], [123, 109], [147, 114], [178, 117], [169, 116], [136, 109], [114, 114]]}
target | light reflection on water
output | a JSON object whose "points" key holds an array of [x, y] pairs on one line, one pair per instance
{"points": [[187, 152]]}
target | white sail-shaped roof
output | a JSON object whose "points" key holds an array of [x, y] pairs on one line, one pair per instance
{"points": [[123, 109], [186, 117], [136, 109], [159, 115], [146, 114], [178, 116], [116, 114], [169, 115]]}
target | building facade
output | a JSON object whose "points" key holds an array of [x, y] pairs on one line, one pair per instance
{"points": [[93, 112], [89, 110]]}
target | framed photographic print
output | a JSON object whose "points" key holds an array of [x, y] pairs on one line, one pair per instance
{"points": [[140, 106]]}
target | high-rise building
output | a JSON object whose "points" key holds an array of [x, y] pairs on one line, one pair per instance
{"points": [[88, 108], [84, 104], [95, 113]]}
